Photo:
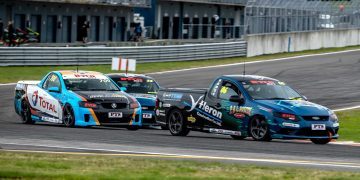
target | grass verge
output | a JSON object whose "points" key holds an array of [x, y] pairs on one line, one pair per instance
{"points": [[60, 166], [349, 125], [13, 74]]}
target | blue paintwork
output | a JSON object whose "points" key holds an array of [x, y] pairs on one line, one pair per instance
{"points": [[73, 99]]}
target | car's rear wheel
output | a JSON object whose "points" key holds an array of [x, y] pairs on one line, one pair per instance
{"points": [[69, 117], [321, 141], [238, 137], [26, 113], [259, 129], [176, 123]]}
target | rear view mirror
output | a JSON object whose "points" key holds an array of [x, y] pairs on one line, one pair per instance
{"points": [[54, 89], [237, 99]]}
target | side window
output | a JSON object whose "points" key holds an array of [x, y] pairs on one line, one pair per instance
{"points": [[227, 90], [215, 88], [52, 81]]}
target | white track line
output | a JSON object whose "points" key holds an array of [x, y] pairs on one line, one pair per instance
{"points": [[347, 108], [254, 62], [8, 84], [169, 155]]}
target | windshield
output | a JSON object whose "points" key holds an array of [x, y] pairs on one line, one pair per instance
{"points": [[270, 90], [138, 85], [90, 85]]}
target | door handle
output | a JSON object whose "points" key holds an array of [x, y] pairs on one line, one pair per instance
{"points": [[218, 106]]}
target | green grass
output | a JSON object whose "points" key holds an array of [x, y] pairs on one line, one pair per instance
{"points": [[59, 166], [349, 125], [13, 74]]}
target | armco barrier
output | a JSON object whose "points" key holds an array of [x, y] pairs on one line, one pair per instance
{"points": [[32, 56]]}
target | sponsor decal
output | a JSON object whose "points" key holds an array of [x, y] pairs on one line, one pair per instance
{"points": [[291, 125], [240, 109], [265, 109], [336, 125], [172, 96], [166, 105], [215, 89], [224, 131], [239, 115], [134, 79], [224, 90], [191, 119], [262, 82], [84, 76], [47, 105], [147, 115], [281, 83], [115, 115], [35, 97], [107, 96], [205, 111], [52, 120]]}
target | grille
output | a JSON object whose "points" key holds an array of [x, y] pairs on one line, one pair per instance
{"points": [[150, 108], [118, 105], [315, 118]]}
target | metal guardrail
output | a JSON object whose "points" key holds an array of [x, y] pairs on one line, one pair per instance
{"points": [[32, 56]]}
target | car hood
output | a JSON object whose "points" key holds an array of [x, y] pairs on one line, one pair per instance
{"points": [[145, 99], [104, 96], [297, 107]]}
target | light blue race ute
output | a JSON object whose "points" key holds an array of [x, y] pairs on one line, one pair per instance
{"points": [[76, 98], [144, 89]]}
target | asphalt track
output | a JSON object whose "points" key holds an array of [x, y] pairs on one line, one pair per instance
{"points": [[332, 80]]}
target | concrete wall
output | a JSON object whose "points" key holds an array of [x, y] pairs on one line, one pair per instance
{"points": [[300, 41]]}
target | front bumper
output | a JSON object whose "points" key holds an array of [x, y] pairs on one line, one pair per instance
{"points": [[148, 118], [96, 117], [304, 130]]}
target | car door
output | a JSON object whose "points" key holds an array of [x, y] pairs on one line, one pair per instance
{"points": [[233, 112], [52, 99]]}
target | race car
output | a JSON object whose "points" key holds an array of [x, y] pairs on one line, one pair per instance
{"points": [[76, 98], [242, 106], [144, 89]]}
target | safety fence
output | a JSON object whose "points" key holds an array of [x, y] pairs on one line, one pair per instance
{"points": [[32, 56]]}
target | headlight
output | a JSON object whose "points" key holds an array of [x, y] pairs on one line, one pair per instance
{"points": [[85, 104], [333, 116]]}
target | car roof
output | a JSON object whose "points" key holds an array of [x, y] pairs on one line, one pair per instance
{"points": [[243, 78]]}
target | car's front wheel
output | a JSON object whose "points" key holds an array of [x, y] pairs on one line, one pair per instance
{"points": [[69, 117], [259, 129], [177, 124], [321, 141], [26, 113]]}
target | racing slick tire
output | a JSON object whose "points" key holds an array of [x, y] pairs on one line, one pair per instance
{"points": [[26, 113], [177, 124], [321, 141], [238, 137], [68, 117], [132, 128], [259, 129]]}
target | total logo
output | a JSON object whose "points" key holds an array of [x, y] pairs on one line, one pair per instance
{"points": [[42, 102], [35, 97]]}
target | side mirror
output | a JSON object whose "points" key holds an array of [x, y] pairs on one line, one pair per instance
{"points": [[237, 99], [54, 89], [305, 98], [123, 89]]}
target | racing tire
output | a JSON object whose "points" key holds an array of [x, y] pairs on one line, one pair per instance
{"points": [[132, 128], [321, 141], [26, 113], [259, 129], [177, 124], [69, 117], [238, 137]]}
